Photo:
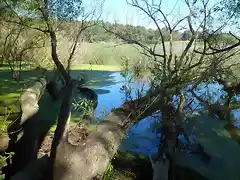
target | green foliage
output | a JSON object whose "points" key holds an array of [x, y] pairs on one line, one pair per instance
{"points": [[3, 162], [47, 63], [222, 39], [98, 33], [62, 10], [128, 77], [109, 173], [83, 105], [4, 124], [131, 157], [18, 44], [3, 159], [66, 9], [230, 8], [3, 132]]}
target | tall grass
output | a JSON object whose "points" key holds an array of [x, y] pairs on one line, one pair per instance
{"points": [[108, 54]]}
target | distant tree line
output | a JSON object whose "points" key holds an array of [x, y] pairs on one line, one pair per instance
{"points": [[97, 33]]}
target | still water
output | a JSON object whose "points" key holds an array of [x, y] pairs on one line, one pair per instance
{"points": [[141, 137]]}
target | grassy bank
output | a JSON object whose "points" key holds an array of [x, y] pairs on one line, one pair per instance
{"points": [[95, 67], [10, 90]]}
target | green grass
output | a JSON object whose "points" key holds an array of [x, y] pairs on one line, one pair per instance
{"points": [[96, 67], [113, 54], [107, 54], [10, 91]]}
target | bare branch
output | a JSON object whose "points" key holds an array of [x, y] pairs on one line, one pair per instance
{"points": [[150, 15], [131, 41], [60, 67], [182, 102], [216, 51], [83, 27], [31, 27]]}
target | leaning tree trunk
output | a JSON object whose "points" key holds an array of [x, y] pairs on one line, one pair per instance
{"points": [[55, 58], [29, 100], [90, 159], [25, 148], [53, 39]]}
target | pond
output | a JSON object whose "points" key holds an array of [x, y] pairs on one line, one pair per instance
{"points": [[141, 138]]}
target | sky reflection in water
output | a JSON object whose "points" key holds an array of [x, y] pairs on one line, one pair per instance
{"points": [[141, 137]]}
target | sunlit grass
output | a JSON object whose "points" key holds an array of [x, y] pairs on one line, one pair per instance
{"points": [[96, 67], [10, 91], [92, 127]]}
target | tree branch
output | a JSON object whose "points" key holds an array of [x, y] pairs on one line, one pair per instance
{"points": [[53, 38]]}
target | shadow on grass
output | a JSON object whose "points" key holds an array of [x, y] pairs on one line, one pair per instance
{"points": [[96, 78], [34, 131], [10, 90]]}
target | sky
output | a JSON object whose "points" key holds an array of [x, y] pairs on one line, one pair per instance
{"points": [[121, 12]]}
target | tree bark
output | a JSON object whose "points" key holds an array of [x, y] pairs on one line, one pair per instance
{"points": [[29, 99], [91, 158], [25, 148], [61, 132], [55, 58]]}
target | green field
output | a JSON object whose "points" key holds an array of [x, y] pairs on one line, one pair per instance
{"points": [[103, 54]]}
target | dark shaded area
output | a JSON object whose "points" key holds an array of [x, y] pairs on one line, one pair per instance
{"points": [[53, 90], [141, 166], [88, 93], [181, 173], [233, 131], [10, 89], [34, 131], [101, 91], [135, 163], [96, 78]]}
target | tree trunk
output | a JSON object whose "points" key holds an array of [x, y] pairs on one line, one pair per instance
{"points": [[53, 38], [61, 132], [29, 99], [25, 148], [91, 158], [55, 58]]}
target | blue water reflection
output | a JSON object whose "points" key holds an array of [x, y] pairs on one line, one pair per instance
{"points": [[141, 137]]}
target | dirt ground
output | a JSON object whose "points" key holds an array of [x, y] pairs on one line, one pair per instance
{"points": [[77, 133]]}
